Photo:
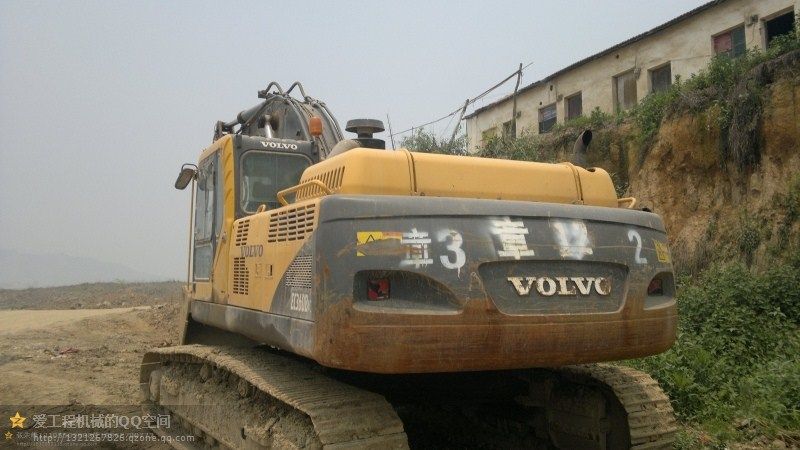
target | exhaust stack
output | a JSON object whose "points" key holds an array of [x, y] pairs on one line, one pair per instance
{"points": [[580, 148]]}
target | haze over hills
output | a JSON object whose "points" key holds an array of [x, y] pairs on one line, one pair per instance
{"points": [[23, 270]]}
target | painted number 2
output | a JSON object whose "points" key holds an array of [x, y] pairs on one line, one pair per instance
{"points": [[458, 258], [633, 235]]}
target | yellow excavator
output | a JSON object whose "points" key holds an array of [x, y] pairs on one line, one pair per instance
{"points": [[342, 295]]}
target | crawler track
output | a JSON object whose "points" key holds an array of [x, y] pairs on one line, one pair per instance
{"points": [[250, 398], [256, 398], [634, 412]]}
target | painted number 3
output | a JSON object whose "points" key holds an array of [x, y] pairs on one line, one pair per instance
{"points": [[458, 258], [633, 235]]}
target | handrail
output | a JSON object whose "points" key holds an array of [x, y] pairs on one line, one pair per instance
{"points": [[264, 93], [302, 91], [626, 202], [281, 194]]}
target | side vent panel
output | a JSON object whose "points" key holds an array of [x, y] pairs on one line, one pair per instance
{"points": [[298, 274], [241, 277], [292, 224], [242, 231], [332, 178]]}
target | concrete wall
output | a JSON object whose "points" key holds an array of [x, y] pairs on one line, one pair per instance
{"points": [[687, 45]]}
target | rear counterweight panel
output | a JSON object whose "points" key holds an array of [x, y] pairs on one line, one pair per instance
{"points": [[486, 284]]}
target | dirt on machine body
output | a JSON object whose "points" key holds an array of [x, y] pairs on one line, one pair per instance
{"points": [[339, 293]]}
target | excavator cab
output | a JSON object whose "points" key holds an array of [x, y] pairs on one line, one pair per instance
{"points": [[284, 117]]}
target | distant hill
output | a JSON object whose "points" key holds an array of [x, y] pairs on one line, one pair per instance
{"points": [[93, 296], [23, 270]]}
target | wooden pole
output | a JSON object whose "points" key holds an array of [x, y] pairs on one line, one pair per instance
{"points": [[460, 117], [514, 113], [391, 135]]}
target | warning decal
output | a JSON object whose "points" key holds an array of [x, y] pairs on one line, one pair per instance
{"points": [[372, 243], [662, 251]]}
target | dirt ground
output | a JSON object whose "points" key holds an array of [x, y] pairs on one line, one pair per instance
{"points": [[91, 296], [62, 359]]}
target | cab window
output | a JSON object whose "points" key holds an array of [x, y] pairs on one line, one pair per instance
{"points": [[206, 219], [264, 174]]}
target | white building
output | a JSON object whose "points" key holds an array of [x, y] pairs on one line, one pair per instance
{"points": [[617, 78]]}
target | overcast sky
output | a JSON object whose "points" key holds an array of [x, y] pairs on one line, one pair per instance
{"points": [[101, 102]]}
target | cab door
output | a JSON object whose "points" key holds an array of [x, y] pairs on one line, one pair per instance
{"points": [[207, 224]]}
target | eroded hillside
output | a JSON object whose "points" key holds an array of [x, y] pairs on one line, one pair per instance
{"points": [[709, 205]]}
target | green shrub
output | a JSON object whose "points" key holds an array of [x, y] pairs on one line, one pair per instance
{"points": [[749, 236], [789, 204], [596, 120], [648, 115], [525, 147], [427, 142], [529, 146], [737, 357]]}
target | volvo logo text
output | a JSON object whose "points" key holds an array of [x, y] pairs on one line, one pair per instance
{"points": [[249, 251], [550, 286], [281, 145]]}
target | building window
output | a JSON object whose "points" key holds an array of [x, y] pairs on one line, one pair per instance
{"points": [[625, 91], [574, 106], [730, 43], [508, 129], [487, 135], [661, 78], [547, 118], [783, 24]]}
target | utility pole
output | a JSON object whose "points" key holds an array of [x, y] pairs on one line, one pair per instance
{"points": [[391, 135], [514, 113], [458, 123]]}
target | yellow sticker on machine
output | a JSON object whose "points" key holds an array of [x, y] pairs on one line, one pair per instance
{"points": [[373, 243], [662, 251]]}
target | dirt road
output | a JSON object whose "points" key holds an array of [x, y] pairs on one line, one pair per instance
{"points": [[62, 362], [17, 321], [81, 356]]}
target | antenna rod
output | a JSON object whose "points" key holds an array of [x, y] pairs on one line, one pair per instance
{"points": [[391, 135]]}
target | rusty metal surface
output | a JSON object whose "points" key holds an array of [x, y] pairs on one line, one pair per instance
{"points": [[417, 348], [457, 307], [287, 333]]}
